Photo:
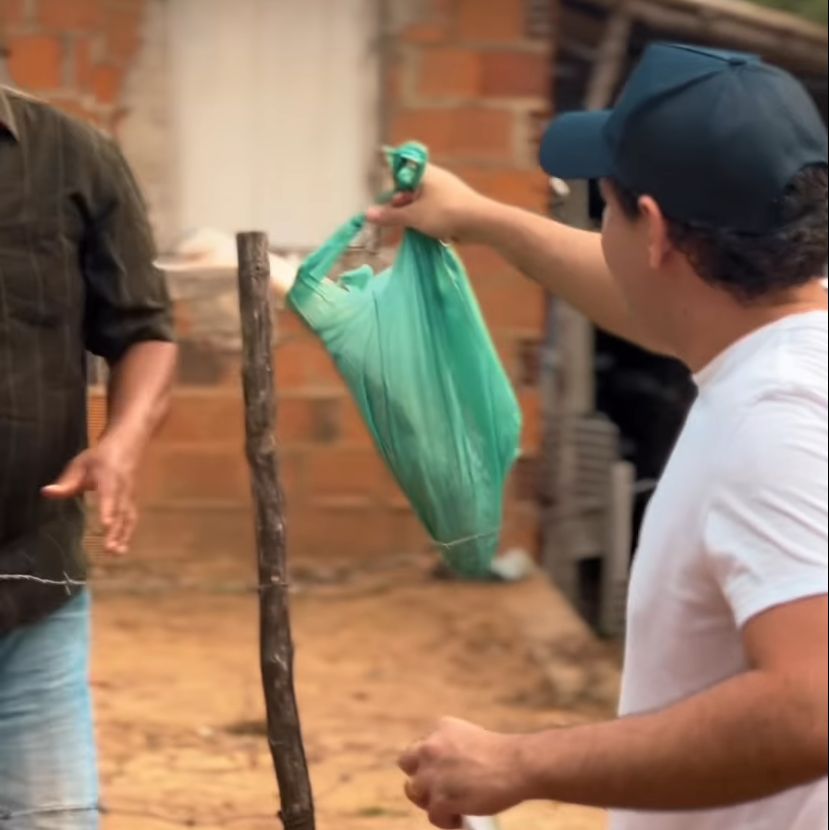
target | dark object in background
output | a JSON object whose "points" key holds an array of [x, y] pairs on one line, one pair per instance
{"points": [[647, 396]]}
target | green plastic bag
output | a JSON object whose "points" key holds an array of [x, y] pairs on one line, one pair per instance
{"points": [[415, 353]]}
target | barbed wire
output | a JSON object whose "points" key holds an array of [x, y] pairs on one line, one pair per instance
{"points": [[186, 821]]}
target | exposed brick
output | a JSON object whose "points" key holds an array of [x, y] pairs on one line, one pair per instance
{"points": [[529, 351], [354, 432], [528, 189], [520, 354], [440, 9], [529, 128], [318, 424], [425, 33], [530, 401], [122, 30], [522, 528], [84, 63], [289, 324], [106, 83], [303, 361], [515, 74], [307, 419], [210, 417], [12, 13], [458, 131], [345, 472], [482, 261], [291, 469], [507, 346], [96, 414], [526, 479], [206, 474], [538, 121], [433, 24], [393, 81], [349, 531], [192, 474], [449, 73], [36, 62], [199, 364], [70, 14], [511, 304], [491, 20], [168, 533], [391, 492], [408, 534]]}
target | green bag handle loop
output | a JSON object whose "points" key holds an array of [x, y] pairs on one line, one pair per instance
{"points": [[408, 165], [319, 264]]}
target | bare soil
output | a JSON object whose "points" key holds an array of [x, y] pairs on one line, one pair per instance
{"points": [[381, 653]]}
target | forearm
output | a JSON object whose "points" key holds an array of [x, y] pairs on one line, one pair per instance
{"points": [[567, 261], [139, 392], [744, 739]]}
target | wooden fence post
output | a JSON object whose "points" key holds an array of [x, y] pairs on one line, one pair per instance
{"points": [[276, 645]]}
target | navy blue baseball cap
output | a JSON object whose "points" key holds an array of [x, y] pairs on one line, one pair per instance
{"points": [[713, 136]]}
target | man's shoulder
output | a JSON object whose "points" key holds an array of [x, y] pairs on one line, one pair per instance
{"points": [[779, 439], [40, 114], [801, 376], [789, 369]]}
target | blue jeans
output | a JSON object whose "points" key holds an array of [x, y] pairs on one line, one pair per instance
{"points": [[48, 770]]}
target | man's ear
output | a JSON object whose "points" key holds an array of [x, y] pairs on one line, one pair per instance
{"points": [[659, 243]]}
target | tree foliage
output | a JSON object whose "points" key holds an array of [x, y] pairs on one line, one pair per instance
{"points": [[815, 10]]}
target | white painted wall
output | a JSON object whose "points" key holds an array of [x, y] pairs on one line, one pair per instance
{"points": [[145, 132], [275, 116]]}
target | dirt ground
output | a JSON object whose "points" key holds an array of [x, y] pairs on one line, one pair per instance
{"points": [[380, 654]]}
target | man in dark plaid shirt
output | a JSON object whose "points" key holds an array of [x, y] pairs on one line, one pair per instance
{"points": [[76, 274]]}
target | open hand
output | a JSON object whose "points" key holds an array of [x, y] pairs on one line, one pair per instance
{"points": [[109, 469]]}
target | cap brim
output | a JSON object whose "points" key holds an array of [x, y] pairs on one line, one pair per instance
{"points": [[574, 146]]}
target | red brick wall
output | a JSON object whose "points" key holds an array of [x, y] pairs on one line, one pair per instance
{"points": [[73, 53], [468, 80]]}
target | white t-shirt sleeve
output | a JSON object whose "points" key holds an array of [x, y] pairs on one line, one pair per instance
{"points": [[766, 523]]}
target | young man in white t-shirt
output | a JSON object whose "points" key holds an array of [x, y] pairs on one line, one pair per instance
{"points": [[713, 166]]}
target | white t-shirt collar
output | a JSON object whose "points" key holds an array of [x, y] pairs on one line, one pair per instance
{"points": [[732, 356]]}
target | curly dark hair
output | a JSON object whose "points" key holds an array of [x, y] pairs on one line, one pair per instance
{"points": [[752, 266]]}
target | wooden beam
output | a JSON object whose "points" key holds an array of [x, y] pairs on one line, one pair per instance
{"points": [[577, 49], [575, 335], [617, 543], [586, 28], [793, 43], [708, 23], [276, 645], [610, 59], [755, 15], [752, 15]]}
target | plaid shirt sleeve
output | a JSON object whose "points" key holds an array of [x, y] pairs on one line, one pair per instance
{"points": [[127, 299]]}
